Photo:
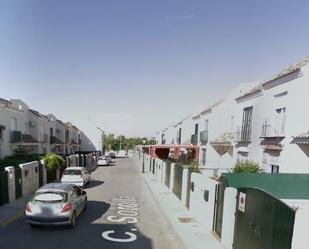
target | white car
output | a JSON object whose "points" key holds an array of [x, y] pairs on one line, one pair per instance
{"points": [[76, 175], [102, 160]]}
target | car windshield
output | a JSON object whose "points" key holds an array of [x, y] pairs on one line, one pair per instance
{"points": [[50, 197], [72, 172]]}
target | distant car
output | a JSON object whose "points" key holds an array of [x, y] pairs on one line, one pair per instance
{"points": [[109, 159], [76, 175], [56, 204], [112, 154], [103, 161]]}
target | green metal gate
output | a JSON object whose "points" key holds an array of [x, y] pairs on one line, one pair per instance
{"points": [[188, 189], [177, 188], [40, 174], [219, 203], [266, 223], [153, 165], [18, 182], [4, 188], [167, 174]]}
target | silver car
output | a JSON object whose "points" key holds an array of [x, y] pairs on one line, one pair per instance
{"points": [[56, 204]]}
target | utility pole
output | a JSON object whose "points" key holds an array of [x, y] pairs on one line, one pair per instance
{"points": [[102, 141]]}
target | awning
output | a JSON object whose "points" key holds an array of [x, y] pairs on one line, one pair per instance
{"points": [[223, 144], [301, 139], [273, 147], [243, 149]]}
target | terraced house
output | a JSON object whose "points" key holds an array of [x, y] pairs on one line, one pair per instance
{"points": [[264, 122], [36, 132]]}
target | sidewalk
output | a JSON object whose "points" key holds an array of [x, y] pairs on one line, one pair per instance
{"points": [[12, 211], [191, 233]]}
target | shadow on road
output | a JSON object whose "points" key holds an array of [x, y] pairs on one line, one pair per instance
{"points": [[93, 183], [86, 234]]}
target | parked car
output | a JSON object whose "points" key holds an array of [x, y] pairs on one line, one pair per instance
{"points": [[56, 204], [112, 154], [103, 161], [76, 175], [109, 159]]}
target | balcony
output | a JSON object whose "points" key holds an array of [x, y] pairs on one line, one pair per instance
{"points": [[52, 140], [204, 137], [268, 131], [243, 135], [15, 137], [194, 138]]}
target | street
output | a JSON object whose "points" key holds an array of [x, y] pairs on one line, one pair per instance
{"points": [[121, 213]]}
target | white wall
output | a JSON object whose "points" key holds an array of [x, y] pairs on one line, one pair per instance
{"points": [[203, 211], [30, 177], [228, 222], [11, 183]]}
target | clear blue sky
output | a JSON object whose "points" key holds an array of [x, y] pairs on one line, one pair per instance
{"points": [[134, 67]]}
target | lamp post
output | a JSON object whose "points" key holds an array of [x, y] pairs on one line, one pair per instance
{"points": [[143, 169], [102, 141]]}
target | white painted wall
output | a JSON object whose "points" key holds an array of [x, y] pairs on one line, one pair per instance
{"points": [[11, 183], [203, 211], [228, 217], [30, 177], [300, 237]]}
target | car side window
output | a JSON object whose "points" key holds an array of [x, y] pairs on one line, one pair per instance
{"points": [[74, 193], [77, 191]]}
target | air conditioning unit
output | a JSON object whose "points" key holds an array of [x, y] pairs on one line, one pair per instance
{"points": [[31, 124]]}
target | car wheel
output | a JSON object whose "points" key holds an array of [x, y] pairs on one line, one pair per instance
{"points": [[33, 225], [73, 220]]}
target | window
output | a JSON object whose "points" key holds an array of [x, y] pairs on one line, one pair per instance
{"points": [[274, 168], [13, 124], [204, 157], [179, 136], [280, 121], [196, 129], [246, 124]]}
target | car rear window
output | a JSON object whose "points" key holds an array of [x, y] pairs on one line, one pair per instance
{"points": [[50, 197], [72, 172]]}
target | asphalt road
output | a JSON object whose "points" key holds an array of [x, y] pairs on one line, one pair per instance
{"points": [[121, 213]]}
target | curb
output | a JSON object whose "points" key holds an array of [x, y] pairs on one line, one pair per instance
{"points": [[13, 218]]}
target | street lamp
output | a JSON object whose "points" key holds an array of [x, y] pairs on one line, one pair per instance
{"points": [[102, 141], [143, 169]]}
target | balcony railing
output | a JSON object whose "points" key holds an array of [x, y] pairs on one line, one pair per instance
{"points": [[194, 139], [52, 140], [204, 137], [269, 131], [15, 137], [242, 135]]}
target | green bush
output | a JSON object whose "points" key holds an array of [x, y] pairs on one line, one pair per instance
{"points": [[246, 166], [194, 167], [53, 161]]}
